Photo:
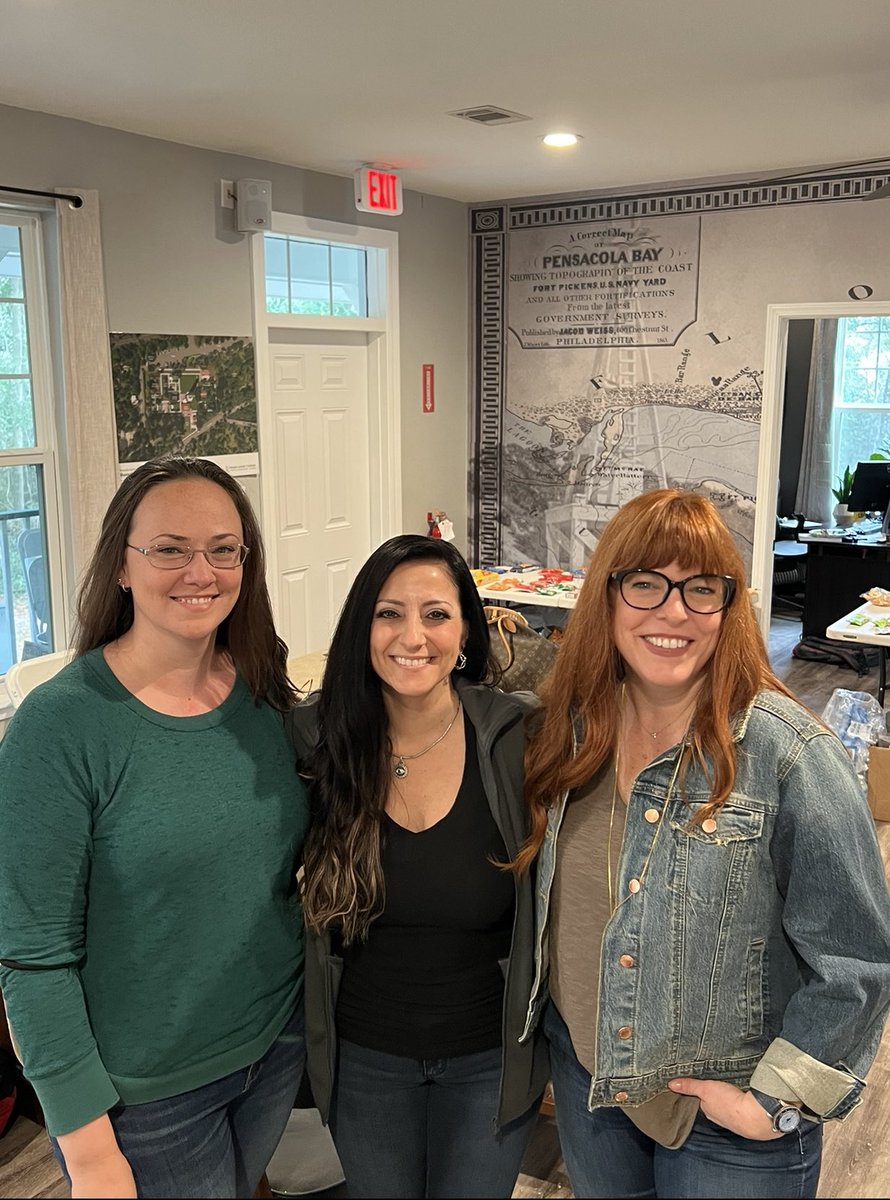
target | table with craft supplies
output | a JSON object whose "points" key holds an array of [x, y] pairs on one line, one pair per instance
{"points": [[546, 586], [868, 625]]}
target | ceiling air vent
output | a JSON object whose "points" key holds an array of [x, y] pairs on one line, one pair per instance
{"points": [[487, 114]]}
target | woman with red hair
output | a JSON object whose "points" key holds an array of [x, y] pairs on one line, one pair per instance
{"points": [[713, 921]]}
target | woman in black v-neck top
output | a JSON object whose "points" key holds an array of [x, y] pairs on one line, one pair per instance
{"points": [[420, 946]]}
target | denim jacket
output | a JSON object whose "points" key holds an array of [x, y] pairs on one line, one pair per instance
{"points": [[755, 949]]}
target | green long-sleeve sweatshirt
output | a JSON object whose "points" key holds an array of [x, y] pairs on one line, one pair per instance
{"points": [[149, 922]]}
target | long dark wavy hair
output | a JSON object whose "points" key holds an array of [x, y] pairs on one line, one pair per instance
{"points": [[662, 526], [348, 772], [105, 611]]}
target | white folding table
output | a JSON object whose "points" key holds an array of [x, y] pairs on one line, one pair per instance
{"points": [[866, 634]]}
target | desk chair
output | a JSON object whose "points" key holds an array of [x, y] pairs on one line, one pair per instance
{"points": [[789, 571]]}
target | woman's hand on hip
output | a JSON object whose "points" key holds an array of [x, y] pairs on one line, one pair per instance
{"points": [[727, 1105]]}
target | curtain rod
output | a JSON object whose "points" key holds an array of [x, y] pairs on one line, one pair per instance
{"points": [[77, 201]]}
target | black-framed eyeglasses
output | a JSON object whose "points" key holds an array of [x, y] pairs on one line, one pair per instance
{"points": [[642, 588], [171, 556]]}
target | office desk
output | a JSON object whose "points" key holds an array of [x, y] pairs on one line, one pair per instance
{"points": [[866, 635], [837, 575]]}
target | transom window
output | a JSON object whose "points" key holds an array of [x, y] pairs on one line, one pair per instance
{"points": [[307, 277]]}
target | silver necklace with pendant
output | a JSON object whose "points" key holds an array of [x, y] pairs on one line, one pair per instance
{"points": [[400, 770]]}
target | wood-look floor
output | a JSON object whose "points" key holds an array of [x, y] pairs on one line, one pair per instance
{"points": [[856, 1160]]}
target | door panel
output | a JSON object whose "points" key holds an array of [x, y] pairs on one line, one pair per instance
{"points": [[321, 521]]}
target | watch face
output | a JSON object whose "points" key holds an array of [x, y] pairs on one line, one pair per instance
{"points": [[788, 1120]]}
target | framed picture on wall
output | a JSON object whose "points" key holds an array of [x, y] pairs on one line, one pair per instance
{"points": [[186, 394]]}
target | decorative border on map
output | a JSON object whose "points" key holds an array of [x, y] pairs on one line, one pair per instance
{"points": [[696, 200], [489, 228], [490, 374]]}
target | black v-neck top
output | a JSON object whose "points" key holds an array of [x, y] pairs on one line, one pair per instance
{"points": [[428, 982]]}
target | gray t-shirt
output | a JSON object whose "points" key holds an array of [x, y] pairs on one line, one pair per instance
{"points": [[580, 910]]}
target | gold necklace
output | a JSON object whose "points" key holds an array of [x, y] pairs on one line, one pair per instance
{"points": [[400, 770], [657, 733]]}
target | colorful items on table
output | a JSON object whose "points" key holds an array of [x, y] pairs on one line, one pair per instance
{"points": [[541, 581]]}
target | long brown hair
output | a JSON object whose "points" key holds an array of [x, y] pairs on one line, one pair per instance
{"points": [[656, 528], [105, 611]]}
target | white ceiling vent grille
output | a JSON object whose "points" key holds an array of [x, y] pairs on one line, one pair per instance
{"points": [[487, 114]]}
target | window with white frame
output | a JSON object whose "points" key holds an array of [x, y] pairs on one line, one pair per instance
{"points": [[310, 277], [860, 423], [30, 553]]}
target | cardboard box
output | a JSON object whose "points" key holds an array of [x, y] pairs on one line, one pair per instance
{"points": [[879, 782]]}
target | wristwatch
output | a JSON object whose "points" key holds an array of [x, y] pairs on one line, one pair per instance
{"points": [[785, 1117]]}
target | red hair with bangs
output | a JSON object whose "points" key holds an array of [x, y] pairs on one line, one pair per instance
{"points": [[654, 529]]}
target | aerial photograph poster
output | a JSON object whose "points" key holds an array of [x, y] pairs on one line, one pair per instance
{"points": [[183, 394]]}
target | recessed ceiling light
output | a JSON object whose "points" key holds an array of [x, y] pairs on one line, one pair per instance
{"points": [[561, 139]]}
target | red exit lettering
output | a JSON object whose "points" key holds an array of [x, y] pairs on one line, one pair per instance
{"points": [[382, 190]]}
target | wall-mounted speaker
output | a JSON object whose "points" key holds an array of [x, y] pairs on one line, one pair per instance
{"points": [[253, 205]]}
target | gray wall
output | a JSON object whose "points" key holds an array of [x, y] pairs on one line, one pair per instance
{"points": [[174, 264]]}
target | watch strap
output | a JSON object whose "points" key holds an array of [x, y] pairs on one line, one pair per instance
{"points": [[785, 1117]]}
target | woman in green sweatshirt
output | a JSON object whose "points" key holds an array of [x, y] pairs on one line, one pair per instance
{"points": [[150, 824]]}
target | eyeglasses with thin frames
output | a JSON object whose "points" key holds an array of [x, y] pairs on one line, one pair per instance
{"points": [[172, 557], [703, 594]]}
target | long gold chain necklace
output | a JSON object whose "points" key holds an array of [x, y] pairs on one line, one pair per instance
{"points": [[400, 770], [613, 890]]}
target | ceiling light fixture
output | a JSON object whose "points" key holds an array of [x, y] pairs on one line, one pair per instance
{"points": [[561, 139]]}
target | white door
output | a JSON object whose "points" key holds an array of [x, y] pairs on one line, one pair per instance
{"points": [[321, 506]]}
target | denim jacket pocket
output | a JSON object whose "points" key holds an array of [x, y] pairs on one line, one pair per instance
{"points": [[731, 823]]}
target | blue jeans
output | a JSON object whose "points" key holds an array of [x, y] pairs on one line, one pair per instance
{"points": [[408, 1127], [215, 1141], [606, 1155]]}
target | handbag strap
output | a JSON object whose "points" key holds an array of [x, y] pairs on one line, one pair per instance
{"points": [[505, 619]]}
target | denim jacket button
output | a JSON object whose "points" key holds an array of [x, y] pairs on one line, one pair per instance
{"points": [[634, 886], [626, 960], [624, 1032], [651, 815], [621, 1097], [709, 826]]}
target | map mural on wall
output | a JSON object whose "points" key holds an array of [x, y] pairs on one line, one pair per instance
{"points": [[572, 455], [183, 394], [619, 347]]}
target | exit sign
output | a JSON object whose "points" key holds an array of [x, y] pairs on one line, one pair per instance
{"points": [[378, 190]]}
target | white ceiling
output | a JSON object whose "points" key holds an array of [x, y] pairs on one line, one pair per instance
{"points": [[660, 89]]}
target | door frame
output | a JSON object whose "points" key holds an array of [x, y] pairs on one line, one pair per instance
{"points": [[771, 416], [381, 330]]}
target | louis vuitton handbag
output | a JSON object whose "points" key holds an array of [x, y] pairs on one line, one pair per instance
{"points": [[525, 656]]}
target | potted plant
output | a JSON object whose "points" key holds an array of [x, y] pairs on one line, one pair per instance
{"points": [[842, 516]]}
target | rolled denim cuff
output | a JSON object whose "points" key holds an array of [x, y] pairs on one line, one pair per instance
{"points": [[828, 1093]]}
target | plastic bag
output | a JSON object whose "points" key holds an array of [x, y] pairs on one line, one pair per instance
{"points": [[858, 720]]}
